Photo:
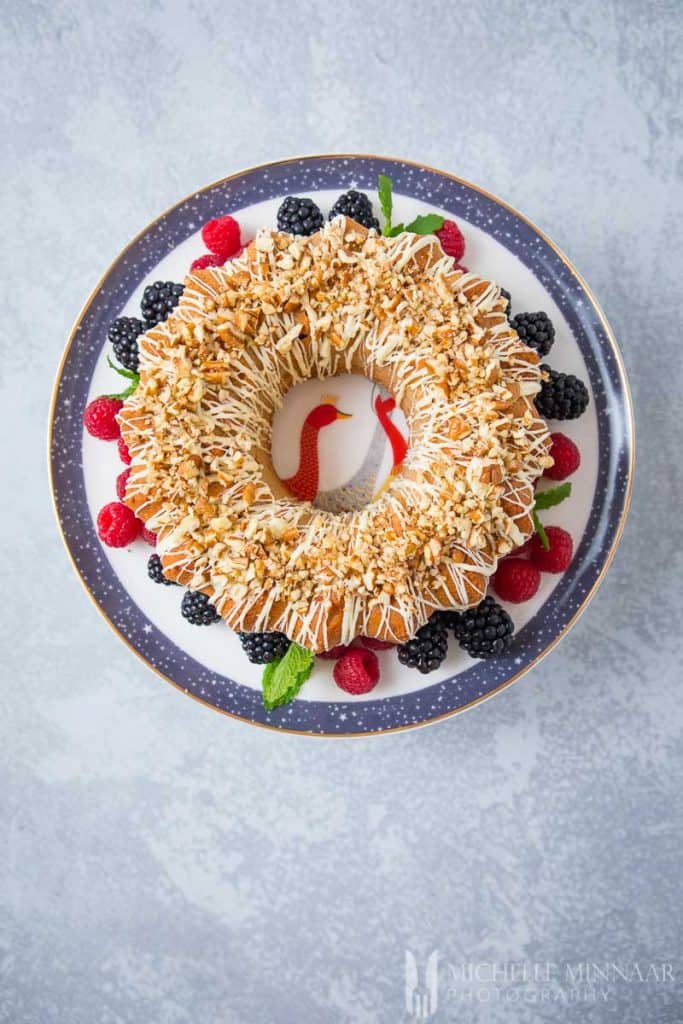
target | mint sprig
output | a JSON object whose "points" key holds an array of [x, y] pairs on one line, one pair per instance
{"points": [[425, 224], [385, 190], [552, 497], [548, 499], [540, 530], [130, 375], [284, 677]]}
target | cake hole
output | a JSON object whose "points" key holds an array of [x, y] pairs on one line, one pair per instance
{"points": [[336, 441]]}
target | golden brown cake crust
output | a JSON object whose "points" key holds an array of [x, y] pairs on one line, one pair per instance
{"points": [[342, 301]]}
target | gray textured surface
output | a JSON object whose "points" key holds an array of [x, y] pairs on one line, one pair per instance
{"points": [[164, 865]]}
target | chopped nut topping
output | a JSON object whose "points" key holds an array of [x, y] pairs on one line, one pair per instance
{"points": [[198, 428]]}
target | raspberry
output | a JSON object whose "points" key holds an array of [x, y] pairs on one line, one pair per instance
{"points": [[209, 259], [516, 580], [357, 671], [117, 526], [452, 240], [524, 549], [373, 644], [566, 455], [222, 236], [121, 481], [124, 454], [558, 556], [337, 652], [99, 418], [149, 537]]}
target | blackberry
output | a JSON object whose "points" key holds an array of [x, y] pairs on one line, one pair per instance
{"points": [[357, 206], [427, 649], [506, 295], [448, 619], [535, 330], [486, 630], [156, 573], [562, 397], [159, 299], [123, 334], [299, 216], [261, 648], [197, 609]]}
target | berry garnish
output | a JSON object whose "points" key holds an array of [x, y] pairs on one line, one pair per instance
{"points": [[299, 216], [160, 299], [121, 481], [261, 648], [222, 237], [357, 671], [566, 455], [197, 609], [448, 618], [117, 525], [506, 295], [357, 206], [149, 536], [337, 652], [452, 240], [124, 454], [209, 259], [535, 330], [523, 549], [558, 555], [516, 580], [485, 631], [99, 418], [123, 335], [155, 571], [373, 644], [562, 396], [428, 647]]}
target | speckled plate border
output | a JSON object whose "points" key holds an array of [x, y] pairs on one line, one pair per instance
{"points": [[615, 443]]}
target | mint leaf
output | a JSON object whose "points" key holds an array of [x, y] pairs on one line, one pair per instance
{"points": [[130, 375], [283, 678], [552, 497], [542, 535], [384, 192], [426, 224], [395, 230]]}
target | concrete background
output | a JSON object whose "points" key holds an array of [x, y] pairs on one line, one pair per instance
{"points": [[160, 864]]}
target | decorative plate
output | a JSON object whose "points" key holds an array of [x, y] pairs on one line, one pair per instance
{"points": [[354, 454]]}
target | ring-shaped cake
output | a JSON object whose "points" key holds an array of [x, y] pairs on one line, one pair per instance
{"points": [[344, 300]]}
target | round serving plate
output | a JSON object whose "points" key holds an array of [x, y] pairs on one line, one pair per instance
{"points": [[208, 663]]}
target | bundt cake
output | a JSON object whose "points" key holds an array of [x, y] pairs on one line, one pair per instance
{"points": [[343, 300]]}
